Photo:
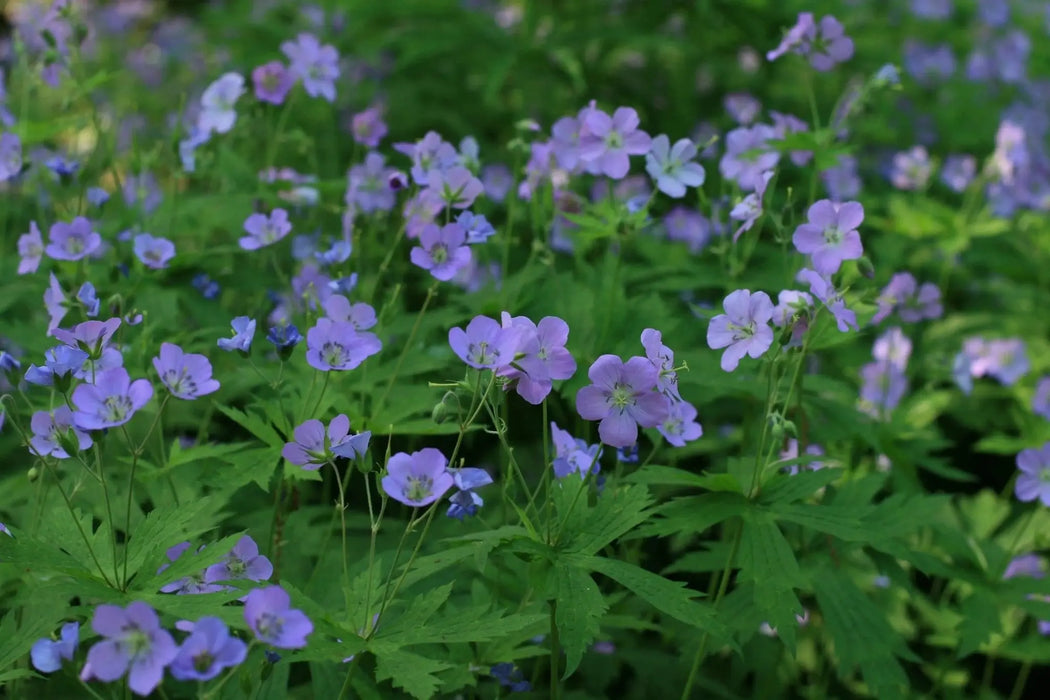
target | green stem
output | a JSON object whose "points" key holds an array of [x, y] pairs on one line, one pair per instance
{"points": [[131, 492], [1022, 678], [555, 653], [431, 293]]}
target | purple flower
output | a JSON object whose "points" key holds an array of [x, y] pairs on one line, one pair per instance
{"points": [[662, 358], [477, 227], [10, 156], [316, 65], [368, 127], [204, 284], [242, 563], [821, 288], [47, 654], [217, 104], [430, 153], [827, 44], [573, 454], [1025, 565], [830, 236], [244, 333], [361, 315], [443, 251], [893, 347], [750, 209], [154, 252], [273, 81], [958, 172], [911, 169], [49, 428], [610, 141], [485, 344], [680, 425], [510, 677], [338, 345], [912, 302], [368, 188], [622, 396], [743, 329], [31, 250], [111, 401], [1034, 480], [841, 181], [749, 156], [188, 585], [90, 336], [265, 230], [793, 310], [790, 452], [884, 387], [207, 651], [688, 226], [673, 168], [73, 241], [59, 362], [1041, 399], [133, 643], [742, 107], [313, 448], [465, 502], [796, 38], [186, 376], [142, 189], [932, 9], [284, 336], [497, 180], [786, 124], [417, 479], [454, 187], [87, 296], [538, 353], [269, 614]]}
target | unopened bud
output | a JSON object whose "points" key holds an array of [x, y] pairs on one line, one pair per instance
{"points": [[33, 474], [865, 267]]}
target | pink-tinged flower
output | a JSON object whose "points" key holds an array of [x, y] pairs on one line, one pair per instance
{"points": [[265, 230], [217, 104], [111, 401], [313, 447], [273, 81], [610, 141], [368, 127], [338, 345], [73, 241], [270, 616], [154, 252], [680, 426], [821, 288], [316, 65], [186, 376], [485, 344], [417, 479], [31, 250], [622, 395], [1034, 480], [443, 251], [830, 236], [743, 329], [133, 642], [539, 355]]}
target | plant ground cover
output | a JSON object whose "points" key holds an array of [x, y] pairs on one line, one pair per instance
{"points": [[477, 348]]}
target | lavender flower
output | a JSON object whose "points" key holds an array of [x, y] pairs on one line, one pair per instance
{"points": [[688, 226], [133, 643], [1034, 480], [111, 401], [786, 124], [841, 180], [360, 315], [10, 156], [662, 358], [207, 651], [750, 209], [454, 187], [59, 363], [573, 454], [510, 677], [368, 187], [673, 168], [749, 156], [793, 310], [466, 502], [430, 153], [443, 251], [155, 253], [417, 479], [1041, 399], [742, 107], [884, 387], [90, 336], [47, 654], [680, 426], [89, 300], [31, 250], [284, 337], [186, 376], [485, 344], [313, 447], [188, 585], [539, 355], [242, 563], [796, 38], [911, 169], [958, 172], [477, 227], [497, 180], [244, 333], [790, 452], [622, 396], [821, 288], [827, 44], [273, 81], [610, 141], [270, 616], [265, 230], [892, 347], [830, 236], [316, 65], [912, 302], [204, 284], [49, 431], [743, 329], [368, 127], [73, 241], [337, 345], [217, 104]]}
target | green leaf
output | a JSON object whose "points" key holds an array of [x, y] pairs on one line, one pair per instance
{"points": [[420, 609], [767, 560], [694, 513], [659, 475], [616, 513], [253, 424], [787, 488], [980, 620], [579, 608], [411, 672], [167, 526], [844, 523]]}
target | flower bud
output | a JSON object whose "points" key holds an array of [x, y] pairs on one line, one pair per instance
{"points": [[33, 474]]}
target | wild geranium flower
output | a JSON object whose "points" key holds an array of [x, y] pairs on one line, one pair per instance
{"points": [[361, 316], [795, 39], [911, 169], [49, 429], [90, 336], [217, 104], [133, 643], [790, 452], [60, 362], [821, 288], [884, 387], [497, 180], [30, 249], [750, 209], [88, 299], [142, 189], [154, 252], [186, 375], [792, 310], [417, 479], [188, 585], [673, 168], [893, 347], [830, 236], [368, 127], [316, 65], [786, 124], [610, 141], [743, 329], [10, 156], [1041, 398], [749, 156], [47, 654], [742, 107], [243, 334], [442, 251], [485, 344], [204, 284], [338, 345], [207, 651], [313, 447], [466, 502], [826, 44], [273, 81], [455, 187], [242, 563], [622, 396], [662, 358], [368, 185], [958, 172], [688, 226], [284, 337], [430, 153], [911, 301], [477, 227], [539, 355], [73, 241], [841, 180], [111, 401], [270, 616], [680, 426], [1034, 480], [265, 230], [510, 677]]}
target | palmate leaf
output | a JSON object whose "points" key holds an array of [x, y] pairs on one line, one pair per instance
{"points": [[617, 512], [411, 672], [788, 488], [167, 526], [694, 514], [766, 560], [579, 608], [16, 638], [254, 424], [980, 620]]}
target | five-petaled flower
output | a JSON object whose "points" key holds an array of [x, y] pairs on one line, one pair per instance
{"points": [[270, 616], [133, 643], [417, 479], [1034, 480], [110, 401], [185, 375], [830, 235], [207, 651], [743, 329], [622, 396], [442, 250], [338, 345]]}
